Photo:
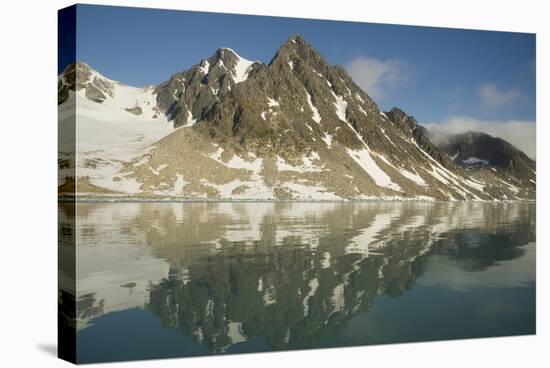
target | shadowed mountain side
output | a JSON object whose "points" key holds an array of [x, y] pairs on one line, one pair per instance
{"points": [[477, 151]]}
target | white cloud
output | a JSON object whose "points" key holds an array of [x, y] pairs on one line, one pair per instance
{"points": [[376, 76], [495, 98], [521, 134]]}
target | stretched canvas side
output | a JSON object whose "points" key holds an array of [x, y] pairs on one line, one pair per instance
{"points": [[66, 187]]}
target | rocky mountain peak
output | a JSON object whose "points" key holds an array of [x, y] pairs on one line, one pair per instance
{"points": [[187, 96], [80, 75], [228, 61], [297, 51], [295, 43], [401, 118]]}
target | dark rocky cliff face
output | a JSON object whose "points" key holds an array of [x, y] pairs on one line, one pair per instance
{"points": [[191, 94], [474, 150]]}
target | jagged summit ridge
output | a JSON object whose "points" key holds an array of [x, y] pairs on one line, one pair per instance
{"points": [[80, 75], [295, 128], [188, 94]]}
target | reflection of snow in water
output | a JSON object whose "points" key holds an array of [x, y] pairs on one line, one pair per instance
{"points": [[235, 332], [313, 286], [368, 236], [141, 244], [270, 296]]}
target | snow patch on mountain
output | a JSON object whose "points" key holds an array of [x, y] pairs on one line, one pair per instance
{"points": [[414, 177], [316, 116], [179, 184], [362, 111], [436, 173], [115, 108], [341, 105], [253, 188], [107, 135], [309, 191], [237, 162], [204, 67], [191, 121], [480, 186], [474, 161], [308, 164], [407, 174], [364, 159], [327, 138], [512, 187], [388, 138], [242, 68], [440, 172], [272, 103]]}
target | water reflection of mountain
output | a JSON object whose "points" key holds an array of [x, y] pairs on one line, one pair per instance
{"points": [[288, 272]]}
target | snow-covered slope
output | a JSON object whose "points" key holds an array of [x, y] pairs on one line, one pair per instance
{"points": [[106, 134]]}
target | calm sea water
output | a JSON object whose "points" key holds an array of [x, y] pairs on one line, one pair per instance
{"points": [[161, 280]]}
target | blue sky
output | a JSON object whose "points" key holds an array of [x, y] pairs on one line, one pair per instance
{"points": [[432, 73]]}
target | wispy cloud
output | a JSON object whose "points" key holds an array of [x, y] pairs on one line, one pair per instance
{"points": [[375, 76], [521, 134], [494, 98]]}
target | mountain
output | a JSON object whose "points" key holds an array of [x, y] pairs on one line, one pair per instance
{"points": [[228, 127], [80, 76], [475, 150]]}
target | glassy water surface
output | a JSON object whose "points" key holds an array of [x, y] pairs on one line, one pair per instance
{"points": [[161, 280]]}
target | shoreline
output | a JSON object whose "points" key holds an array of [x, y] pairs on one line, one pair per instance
{"points": [[106, 199]]}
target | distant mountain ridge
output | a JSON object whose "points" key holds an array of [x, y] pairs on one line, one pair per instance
{"points": [[231, 128], [474, 150]]}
